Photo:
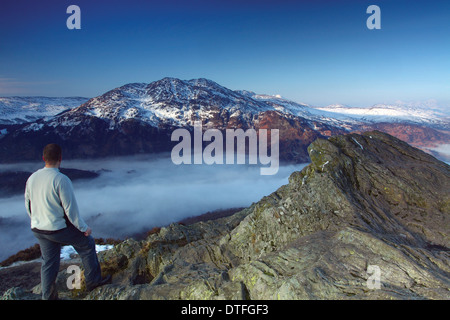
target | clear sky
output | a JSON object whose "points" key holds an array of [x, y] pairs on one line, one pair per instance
{"points": [[318, 52]]}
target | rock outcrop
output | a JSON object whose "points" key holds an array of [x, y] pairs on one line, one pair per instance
{"points": [[369, 207]]}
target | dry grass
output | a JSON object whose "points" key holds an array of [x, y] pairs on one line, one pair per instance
{"points": [[28, 254]]}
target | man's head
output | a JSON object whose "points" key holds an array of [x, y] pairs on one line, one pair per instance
{"points": [[52, 154]]}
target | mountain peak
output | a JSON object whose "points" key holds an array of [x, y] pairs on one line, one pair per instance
{"points": [[203, 82], [168, 80], [171, 100]]}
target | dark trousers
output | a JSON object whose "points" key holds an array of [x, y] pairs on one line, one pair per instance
{"points": [[51, 250]]}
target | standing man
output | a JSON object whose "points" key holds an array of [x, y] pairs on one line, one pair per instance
{"points": [[55, 221]]}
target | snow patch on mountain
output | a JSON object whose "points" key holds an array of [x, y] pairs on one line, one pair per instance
{"points": [[14, 110], [401, 112]]}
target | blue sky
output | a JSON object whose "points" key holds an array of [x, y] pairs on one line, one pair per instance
{"points": [[318, 52]]}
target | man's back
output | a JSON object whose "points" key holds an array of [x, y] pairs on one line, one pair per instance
{"points": [[49, 200], [55, 221]]}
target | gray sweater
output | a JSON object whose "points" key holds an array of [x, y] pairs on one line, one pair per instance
{"points": [[49, 198]]}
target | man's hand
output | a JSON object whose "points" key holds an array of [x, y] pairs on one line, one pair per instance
{"points": [[88, 232]]}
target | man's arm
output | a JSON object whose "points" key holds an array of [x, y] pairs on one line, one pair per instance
{"points": [[27, 200], [70, 206]]}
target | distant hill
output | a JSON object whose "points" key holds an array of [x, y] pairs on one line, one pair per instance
{"points": [[16, 110]]}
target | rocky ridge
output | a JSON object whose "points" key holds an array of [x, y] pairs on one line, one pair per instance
{"points": [[365, 200]]}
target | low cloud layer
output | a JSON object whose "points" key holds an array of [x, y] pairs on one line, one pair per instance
{"points": [[132, 195]]}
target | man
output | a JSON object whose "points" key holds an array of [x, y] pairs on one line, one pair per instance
{"points": [[55, 221]]}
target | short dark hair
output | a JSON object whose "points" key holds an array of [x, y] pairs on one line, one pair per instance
{"points": [[52, 153]]}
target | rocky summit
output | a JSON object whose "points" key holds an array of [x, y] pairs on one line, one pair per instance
{"points": [[369, 218]]}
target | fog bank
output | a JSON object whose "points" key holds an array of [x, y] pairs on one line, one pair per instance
{"points": [[135, 194]]}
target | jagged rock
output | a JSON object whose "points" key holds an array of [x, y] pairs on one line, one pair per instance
{"points": [[334, 265], [365, 200], [13, 294], [18, 293], [179, 262]]}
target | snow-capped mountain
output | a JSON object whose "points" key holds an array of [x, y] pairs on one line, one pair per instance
{"points": [[168, 101], [178, 103], [15, 110], [140, 117], [425, 114]]}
